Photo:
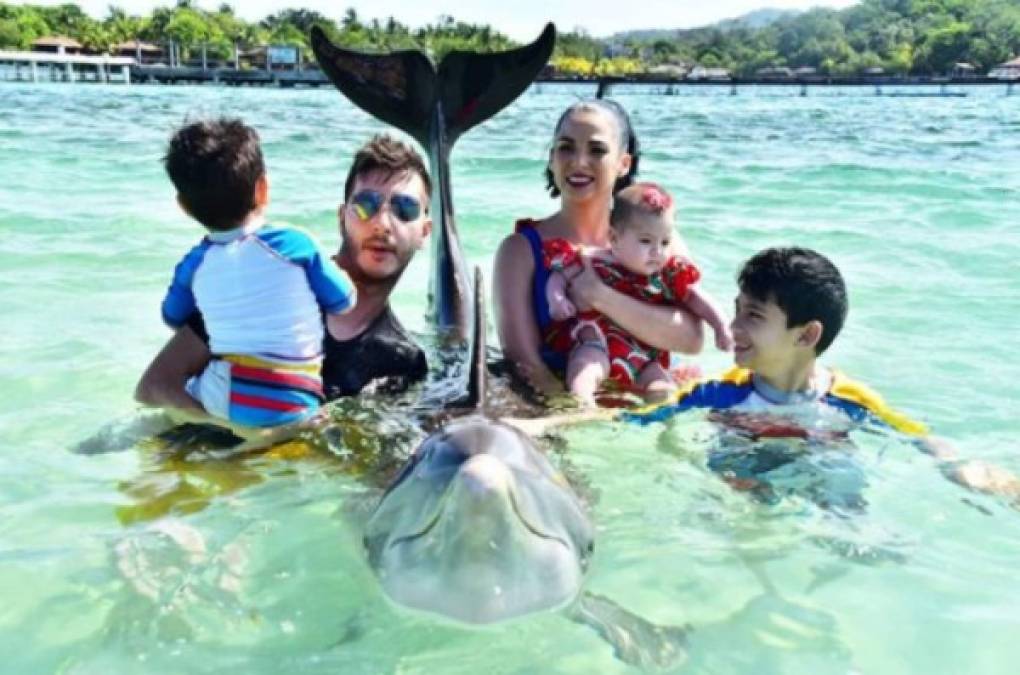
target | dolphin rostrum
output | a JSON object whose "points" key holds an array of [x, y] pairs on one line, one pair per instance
{"points": [[435, 106]]}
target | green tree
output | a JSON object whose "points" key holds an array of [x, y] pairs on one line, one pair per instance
{"points": [[10, 34], [942, 47]]}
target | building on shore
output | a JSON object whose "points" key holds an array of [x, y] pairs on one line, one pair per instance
{"points": [[711, 74], [1010, 70], [669, 71], [57, 44], [963, 71], [43, 66], [143, 53], [774, 73], [274, 58]]}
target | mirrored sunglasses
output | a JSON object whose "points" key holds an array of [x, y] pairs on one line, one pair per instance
{"points": [[367, 203]]}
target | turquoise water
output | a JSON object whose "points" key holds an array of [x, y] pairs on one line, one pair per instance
{"points": [[917, 200]]}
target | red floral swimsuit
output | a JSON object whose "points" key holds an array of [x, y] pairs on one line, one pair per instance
{"points": [[628, 356]]}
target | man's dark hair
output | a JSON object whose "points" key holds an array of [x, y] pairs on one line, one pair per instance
{"points": [[805, 285], [391, 157], [215, 166]]}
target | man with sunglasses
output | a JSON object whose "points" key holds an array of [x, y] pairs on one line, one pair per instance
{"points": [[383, 221]]}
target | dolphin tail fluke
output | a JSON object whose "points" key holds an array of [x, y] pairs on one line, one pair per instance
{"points": [[404, 89], [398, 88], [473, 87]]}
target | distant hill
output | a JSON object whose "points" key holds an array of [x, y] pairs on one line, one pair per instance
{"points": [[759, 18]]}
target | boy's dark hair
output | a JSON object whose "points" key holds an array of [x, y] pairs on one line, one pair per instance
{"points": [[390, 156], [638, 199], [215, 166], [628, 140], [805, 285]]}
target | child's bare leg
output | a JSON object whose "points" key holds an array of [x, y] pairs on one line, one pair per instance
{"points": [[587, 366], [655, 383]]}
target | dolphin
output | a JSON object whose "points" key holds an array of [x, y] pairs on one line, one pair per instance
{"points": [[478, 526], [435, 106]]}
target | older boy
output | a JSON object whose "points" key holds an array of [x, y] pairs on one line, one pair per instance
{"points": [[367, 344], [791, 306]]}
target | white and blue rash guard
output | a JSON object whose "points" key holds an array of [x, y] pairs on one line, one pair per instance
{"points": [[262, 291]]}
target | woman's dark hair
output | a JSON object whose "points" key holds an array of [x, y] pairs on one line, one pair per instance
{"points": [[628, 140]]}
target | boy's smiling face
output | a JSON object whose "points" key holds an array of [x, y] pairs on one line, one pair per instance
{"points": [[762, 342]]}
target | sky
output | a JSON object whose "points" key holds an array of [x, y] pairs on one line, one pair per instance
{"points": [[521, 20]]}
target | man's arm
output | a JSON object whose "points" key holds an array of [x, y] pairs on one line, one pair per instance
{"points": [[162, 384]]}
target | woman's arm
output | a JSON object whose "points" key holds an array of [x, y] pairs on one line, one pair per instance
{"points": [[513, 277], [669, 328], [162, 383]]}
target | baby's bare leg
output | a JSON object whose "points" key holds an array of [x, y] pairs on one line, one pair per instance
{"points": [[655, 383], [587, 366]]}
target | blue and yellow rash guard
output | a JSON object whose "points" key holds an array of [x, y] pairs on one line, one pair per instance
{"points": [[736, 391]]}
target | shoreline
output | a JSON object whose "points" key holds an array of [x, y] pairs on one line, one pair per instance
{"points": [[85, 70]]}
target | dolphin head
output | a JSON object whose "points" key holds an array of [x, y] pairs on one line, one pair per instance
{"points": [[479, 527]]}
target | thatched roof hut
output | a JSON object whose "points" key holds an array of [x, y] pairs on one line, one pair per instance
{"points": [[57, 44], [142, 52]]}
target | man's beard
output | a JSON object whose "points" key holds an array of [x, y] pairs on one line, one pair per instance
{"points": [[347, 260]]}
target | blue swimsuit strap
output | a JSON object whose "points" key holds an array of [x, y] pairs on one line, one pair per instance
{"points": [[538, 299], [555, 361]]}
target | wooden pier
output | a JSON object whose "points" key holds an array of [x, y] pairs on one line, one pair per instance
{"points": [[230, 76], [49, 67], [882, 85]]}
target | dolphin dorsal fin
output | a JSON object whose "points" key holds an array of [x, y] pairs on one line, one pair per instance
{"points": [[477, 384]]}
